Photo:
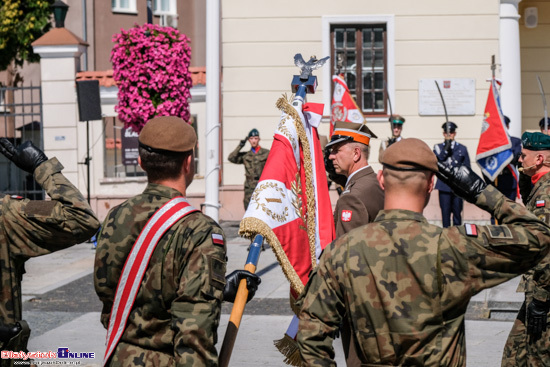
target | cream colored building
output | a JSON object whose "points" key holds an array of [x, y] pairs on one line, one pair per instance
{"points": [[401, 44]]}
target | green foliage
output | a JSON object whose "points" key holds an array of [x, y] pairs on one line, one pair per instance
{"points": [[21, 23]]}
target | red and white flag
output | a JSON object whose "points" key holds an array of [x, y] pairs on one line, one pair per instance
{"points": [[343, 106], [291, 206]]}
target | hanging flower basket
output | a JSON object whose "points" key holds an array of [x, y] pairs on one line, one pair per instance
{"points": [[151, 68]]}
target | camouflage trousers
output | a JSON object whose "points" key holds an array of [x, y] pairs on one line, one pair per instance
{"points": [[248, 190], [519, 351], [126, 355]]}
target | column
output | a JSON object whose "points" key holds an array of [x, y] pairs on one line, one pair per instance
{"points": [[510, 64]]}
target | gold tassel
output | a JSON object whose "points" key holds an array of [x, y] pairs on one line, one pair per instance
{"points": [[289, 348]]}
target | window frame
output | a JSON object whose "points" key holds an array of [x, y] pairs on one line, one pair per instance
{"points": [[172, 11], [132, 7], [330, 22]]}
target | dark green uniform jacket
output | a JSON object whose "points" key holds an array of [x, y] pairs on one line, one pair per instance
{"points": [[407, 283], [176, 313]]}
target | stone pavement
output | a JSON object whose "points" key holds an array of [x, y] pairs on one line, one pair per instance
{"points": [[63, 311]]}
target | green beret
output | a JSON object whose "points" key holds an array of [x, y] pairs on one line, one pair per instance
{"points": [[253, 132], [396, 119], [410, 155], [167, 135], [535, 141]]}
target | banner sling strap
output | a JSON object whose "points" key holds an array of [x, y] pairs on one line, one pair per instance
{"points": [[136, 264]]}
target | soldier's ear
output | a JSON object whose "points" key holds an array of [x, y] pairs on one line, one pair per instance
{"points": [[431, 183], [380, 177]]}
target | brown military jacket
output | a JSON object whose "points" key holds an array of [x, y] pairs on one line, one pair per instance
{"points": [[176, 313], [538, 203], [359, 203], [407, 283], [30, 228]]}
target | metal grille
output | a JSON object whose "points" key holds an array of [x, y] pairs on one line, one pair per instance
{"points": [[20, 120]]}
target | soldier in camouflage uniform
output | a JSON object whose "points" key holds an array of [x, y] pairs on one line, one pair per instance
{"points": [[406, 282], [30, 228], [253, 160], [529, 341], [176, 313]]}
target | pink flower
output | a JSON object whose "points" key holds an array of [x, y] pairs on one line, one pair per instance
{"points": [[152, 71]]}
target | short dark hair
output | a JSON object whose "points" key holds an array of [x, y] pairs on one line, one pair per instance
{"points": [[161, 166]]}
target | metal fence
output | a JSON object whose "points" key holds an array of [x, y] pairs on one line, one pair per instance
{"points": [[20, 120]]}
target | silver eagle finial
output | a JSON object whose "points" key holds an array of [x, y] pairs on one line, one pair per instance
{"points": [[308, 67]]}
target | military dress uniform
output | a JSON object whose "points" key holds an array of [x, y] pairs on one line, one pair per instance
{"points": [[407, 283], [177, 309], [448, 201], [394, 120], [360, 201], [30, 228], [254, 162], [518, 351]]}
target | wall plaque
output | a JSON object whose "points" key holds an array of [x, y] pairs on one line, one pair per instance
{"points": [[459, 95]]}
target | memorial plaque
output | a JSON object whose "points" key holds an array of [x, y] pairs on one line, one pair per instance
{"points": [[459, 95]]}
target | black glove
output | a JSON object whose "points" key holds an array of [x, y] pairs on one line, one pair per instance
{"points": [[462, 180], [334, 177], [448, 145], [243, 142], [26, 156], [537, 316], [232, 284]]}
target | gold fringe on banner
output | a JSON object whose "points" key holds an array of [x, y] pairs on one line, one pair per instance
{"points": [[289, 348]]}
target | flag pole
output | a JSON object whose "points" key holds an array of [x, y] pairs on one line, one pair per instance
{"points": [[544, 104], [240, 303]]}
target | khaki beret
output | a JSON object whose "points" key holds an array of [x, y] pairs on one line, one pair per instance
{"points": [[535, 141], [410, 155], [167, 135], [350, 131]]}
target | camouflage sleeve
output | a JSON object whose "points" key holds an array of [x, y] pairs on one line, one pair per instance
{"points": [[38, 227], [541, 272], [196, 310], [497, 253], [350, 213], [321, 308], [236, 156]]}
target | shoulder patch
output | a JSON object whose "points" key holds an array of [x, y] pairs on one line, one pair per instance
{"points": [[500, 232], [217, 239], [540, 203], [217, 273], [471, 229], [39, 207], [16, 197], [346, 215]]}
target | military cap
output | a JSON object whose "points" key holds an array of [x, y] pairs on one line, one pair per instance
{"points": [[535, 141], [541, 123], [410, 155], [253, 132], [396, 119], [167, 135], [449, 126], [350, 132]]}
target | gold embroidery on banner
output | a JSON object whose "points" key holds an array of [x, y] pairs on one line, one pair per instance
{"points": [[296, 188], [256, 197], [273, 200], [284, 130]]}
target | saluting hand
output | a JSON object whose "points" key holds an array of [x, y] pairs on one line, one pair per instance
{"points": [[26, 156]]}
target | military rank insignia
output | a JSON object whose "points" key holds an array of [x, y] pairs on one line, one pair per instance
{"points": [[540, 203], [346, 215], [471, 229]]}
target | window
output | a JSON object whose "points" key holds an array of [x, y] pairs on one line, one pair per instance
{"points": [[120, 150], [124, 6], [164, 7], [359, 52]]}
